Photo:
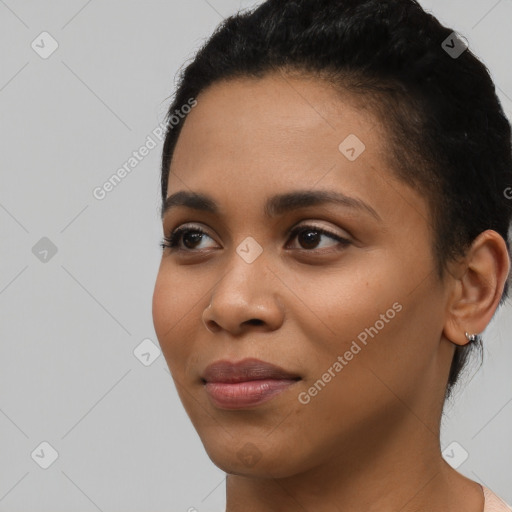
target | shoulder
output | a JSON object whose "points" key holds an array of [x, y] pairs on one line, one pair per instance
{"points": [[494, 503]]}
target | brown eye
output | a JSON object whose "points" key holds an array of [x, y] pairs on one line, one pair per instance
{"points": [[191, 237], [310, 236], [187, 238]]}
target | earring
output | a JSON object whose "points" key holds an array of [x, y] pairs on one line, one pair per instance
{"points": [[471, 337]]}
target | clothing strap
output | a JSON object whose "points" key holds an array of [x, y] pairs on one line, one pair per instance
{"points": [[494, 503]]}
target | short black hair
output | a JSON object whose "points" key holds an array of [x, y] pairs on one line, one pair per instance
{"points": [[450, 138]]}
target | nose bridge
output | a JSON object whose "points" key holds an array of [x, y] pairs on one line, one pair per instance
{"points": [[247, 272], [246, 292]]}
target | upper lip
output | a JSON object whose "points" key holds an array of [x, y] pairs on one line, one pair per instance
{"points": [[245, 370]]}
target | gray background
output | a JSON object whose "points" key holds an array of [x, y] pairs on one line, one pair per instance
{"points": [[70, 322]]}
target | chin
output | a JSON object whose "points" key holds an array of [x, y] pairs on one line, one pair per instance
{"points": [[251, 459]]}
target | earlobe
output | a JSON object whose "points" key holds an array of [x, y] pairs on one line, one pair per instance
{"points": [[477, 290]]}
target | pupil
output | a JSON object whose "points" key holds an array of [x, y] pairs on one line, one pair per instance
{"points": [[196, 236], [312, 240]]}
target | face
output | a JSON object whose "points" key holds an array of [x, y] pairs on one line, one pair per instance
{"points": [[350, 303]]}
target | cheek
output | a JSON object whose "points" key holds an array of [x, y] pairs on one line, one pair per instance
{"points": [[162, 307], [340, 308], [172, 309], [372, 317]]}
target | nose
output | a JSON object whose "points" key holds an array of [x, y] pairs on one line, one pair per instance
{"points": [[247, 296]]}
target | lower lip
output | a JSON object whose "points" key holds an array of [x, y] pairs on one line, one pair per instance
{"points": [[245, 394]]}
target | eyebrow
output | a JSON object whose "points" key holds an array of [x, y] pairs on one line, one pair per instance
{"points": [[275, 205]]}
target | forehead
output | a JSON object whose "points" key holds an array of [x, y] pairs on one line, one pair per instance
{"points": [[278, 110], [270, 123], [253, 137]]}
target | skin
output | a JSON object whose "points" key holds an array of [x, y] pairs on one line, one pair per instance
{"points": [[369, 440]]}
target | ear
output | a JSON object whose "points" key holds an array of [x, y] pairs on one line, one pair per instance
{"points": [[477, 287]]}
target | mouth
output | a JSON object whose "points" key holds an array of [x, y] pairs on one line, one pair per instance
{"points": [[249, 369], [248, 383], [242, 395]]}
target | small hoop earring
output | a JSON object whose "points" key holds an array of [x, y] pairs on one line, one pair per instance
{"points": [[471, 337]]}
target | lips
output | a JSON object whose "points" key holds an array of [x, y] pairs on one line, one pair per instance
{"points": [[246, 384], [246, 370]]}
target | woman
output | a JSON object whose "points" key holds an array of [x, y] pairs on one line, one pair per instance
{"points": [[335, 215]]}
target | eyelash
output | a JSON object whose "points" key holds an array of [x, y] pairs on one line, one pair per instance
{"points": [[171, 241]]}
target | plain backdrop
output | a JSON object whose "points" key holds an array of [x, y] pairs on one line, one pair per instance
{"points": [[83, 389]]}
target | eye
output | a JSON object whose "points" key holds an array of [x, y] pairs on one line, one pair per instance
{"points": [[191, 237], [310, 236]]}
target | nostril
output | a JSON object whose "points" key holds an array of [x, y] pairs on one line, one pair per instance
{"points": [[255, 321], [210, 325]]}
